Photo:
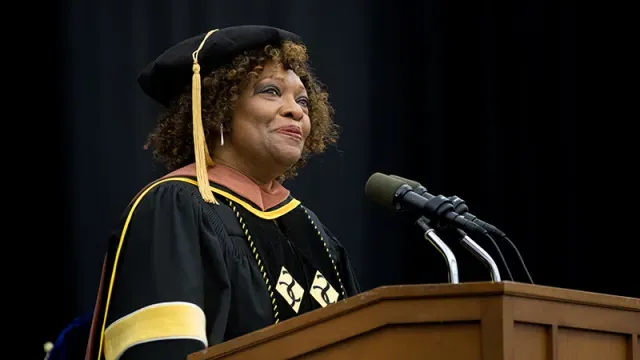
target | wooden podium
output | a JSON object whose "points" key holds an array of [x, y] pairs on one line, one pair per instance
{"points": [[490, 321]]}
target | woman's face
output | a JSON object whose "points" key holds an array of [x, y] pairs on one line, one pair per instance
{"points": [[271, 121]]}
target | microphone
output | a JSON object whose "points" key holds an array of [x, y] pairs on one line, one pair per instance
{"points": [[466, 241], [461, 208], [395, 194], [459, 205]]}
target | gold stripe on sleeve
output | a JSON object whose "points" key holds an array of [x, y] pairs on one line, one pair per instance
{"points": [[163, 321]]}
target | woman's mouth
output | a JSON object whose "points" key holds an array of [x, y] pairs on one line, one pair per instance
{"points": [[291, 131]]}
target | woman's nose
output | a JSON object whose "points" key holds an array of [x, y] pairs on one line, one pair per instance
{"points": [[292, 109]]}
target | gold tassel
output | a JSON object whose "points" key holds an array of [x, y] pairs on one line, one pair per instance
{"points": [[203, 159]]}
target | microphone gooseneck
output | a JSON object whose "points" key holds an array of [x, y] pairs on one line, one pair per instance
{"points": [[461, 208], [431, 236]]}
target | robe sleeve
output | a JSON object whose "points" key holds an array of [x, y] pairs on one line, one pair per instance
{"points": [[347, 274], [158, 304]]}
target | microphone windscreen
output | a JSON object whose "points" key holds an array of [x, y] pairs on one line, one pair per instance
{"points": [[414, 184], [382, 189]]}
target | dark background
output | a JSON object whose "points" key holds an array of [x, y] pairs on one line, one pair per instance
{"points": [[476, 100]]}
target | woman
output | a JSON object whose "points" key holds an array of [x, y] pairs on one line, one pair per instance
{"points": [[218, 247]]}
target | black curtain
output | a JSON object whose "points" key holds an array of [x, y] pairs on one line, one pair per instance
{"points": [[475, 100]]}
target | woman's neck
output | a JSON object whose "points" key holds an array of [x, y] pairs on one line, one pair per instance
{"points": [[261, 178]]}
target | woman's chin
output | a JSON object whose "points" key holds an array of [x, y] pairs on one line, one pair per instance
{"points": [[289, 157]]}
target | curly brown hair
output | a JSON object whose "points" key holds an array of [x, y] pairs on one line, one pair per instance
{"points": [[172, 139]]}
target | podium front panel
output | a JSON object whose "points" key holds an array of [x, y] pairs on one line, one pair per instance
{"points": [[488, 321]]}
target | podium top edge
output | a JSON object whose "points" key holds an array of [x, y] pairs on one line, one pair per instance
{"points": [[503, 288]]}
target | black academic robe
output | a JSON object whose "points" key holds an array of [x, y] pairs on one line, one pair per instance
{"points": [[181, 274]]}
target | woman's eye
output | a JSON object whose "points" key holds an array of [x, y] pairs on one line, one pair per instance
{"points": [[271, 90], [304, 102]]}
